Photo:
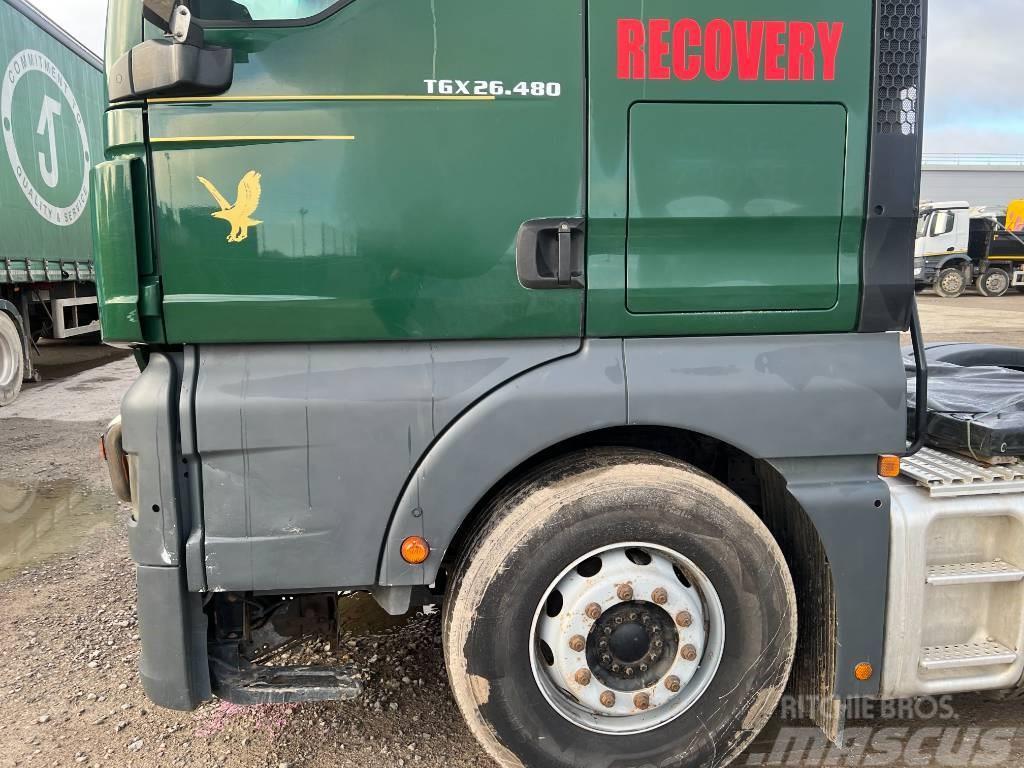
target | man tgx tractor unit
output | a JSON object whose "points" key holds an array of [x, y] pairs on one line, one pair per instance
{"points": [[958, 246], [51, 100], [580, 317]]}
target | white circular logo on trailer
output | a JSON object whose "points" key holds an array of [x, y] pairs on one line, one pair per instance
{"points": [[46, 115]]}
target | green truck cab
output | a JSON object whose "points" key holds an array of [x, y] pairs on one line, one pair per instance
{"points": [[579, 317]]}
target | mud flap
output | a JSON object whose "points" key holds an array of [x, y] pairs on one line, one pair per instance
{"points": [[173, 664]]}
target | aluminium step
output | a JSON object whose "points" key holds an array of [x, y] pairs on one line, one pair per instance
{"points": [[993, 572], [946, 474], [248, 684], [965, 656]]}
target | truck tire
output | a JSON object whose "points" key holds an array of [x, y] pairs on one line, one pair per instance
{"points": [[618, 607], [993, 283], [950, 283], [12, 360]]}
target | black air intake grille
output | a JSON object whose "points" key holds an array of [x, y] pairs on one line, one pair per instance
{"points": [[899, 68]]}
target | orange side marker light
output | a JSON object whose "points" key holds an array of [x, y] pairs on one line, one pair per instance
{"points": [[415, 550], [888, 466], [863, 671]]}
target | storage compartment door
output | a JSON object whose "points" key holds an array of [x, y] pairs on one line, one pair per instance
{"points": [[734, 207]]}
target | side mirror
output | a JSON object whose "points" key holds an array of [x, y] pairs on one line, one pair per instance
{"points": [[167, 68], [179, 64]]}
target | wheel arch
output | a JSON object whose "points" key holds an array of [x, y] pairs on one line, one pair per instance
{"points": [[833, 509], [955, 260]]}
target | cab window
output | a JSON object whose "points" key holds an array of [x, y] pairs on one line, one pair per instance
{"points": [[942, 223], [258, 10]]}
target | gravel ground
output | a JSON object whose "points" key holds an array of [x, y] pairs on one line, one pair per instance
{"points": [[69, 645]]}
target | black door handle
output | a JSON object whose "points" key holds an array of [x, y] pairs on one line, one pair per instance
{"points": [[549, 253]]}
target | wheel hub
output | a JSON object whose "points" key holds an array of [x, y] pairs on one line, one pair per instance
{"points": [[627, 638], [630, 642], [632, 645]]}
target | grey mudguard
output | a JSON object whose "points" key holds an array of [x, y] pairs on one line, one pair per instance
{"points": [[550, 404], [150, 434], [304, 448], [173, 665], [773, 397], [849, 507]]}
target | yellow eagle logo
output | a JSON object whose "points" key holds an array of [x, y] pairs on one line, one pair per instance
{"points": [[239, 215]]}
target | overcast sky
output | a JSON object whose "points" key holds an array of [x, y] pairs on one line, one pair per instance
{"points": [[973, 102]]}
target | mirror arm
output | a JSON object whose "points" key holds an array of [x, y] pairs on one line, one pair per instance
{"points": [[174, 17]]}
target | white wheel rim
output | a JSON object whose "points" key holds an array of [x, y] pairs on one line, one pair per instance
{"points": [[678, 672], [996, 283], [10, 358]]}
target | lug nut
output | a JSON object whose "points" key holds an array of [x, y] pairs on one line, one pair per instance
{"points": [[660, 596], [658, 643], [641, 701], [603, 644], [644, 668], [672, 683], [608, 699], [618, 620], [577, 643], [594, 611], [607, 630], [583, 677], [625, 593], [689, 653], [629, 671], [632, 617], [616, 667], [606, 659], [684, 619]]}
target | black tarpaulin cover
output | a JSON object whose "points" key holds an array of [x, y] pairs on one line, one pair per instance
{"points": [[975, 398]]}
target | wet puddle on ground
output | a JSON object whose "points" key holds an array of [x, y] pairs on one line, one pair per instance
{"points": [[39, 521]]}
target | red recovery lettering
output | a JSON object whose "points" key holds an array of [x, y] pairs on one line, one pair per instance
{"points": [[718, 50], [830, 37], [631, 49], [749, 44], [773, 50], [686, 34], [659, 48]]}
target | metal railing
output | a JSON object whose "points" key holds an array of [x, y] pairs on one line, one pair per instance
{"points": [[962, 160]]}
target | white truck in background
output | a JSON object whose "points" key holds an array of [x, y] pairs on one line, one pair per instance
{"points": [[959, 246]]}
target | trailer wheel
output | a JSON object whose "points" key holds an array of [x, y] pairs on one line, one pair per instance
{"points": [[993, 283], [619, 607], [950, 283], [12, 360]]}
